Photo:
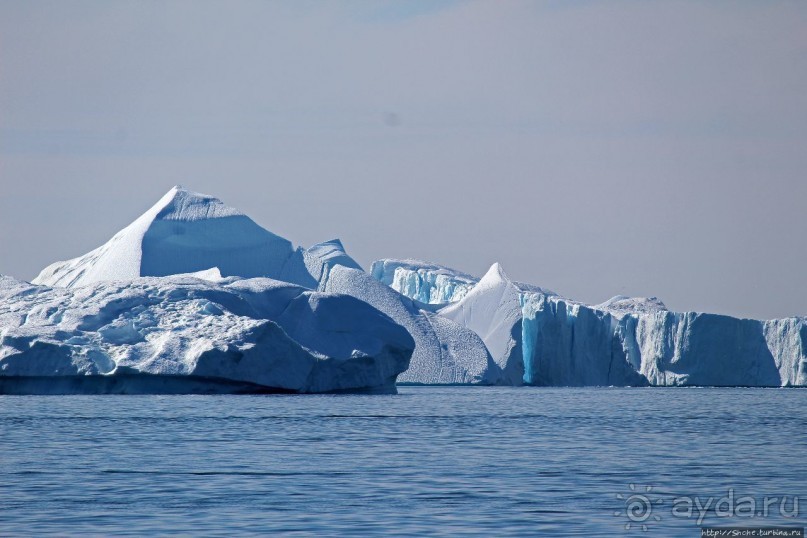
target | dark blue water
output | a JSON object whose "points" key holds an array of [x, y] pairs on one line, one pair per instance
{"points": [[437, 461]]}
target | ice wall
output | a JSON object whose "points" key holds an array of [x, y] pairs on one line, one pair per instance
{"points": [[568, 343], [425, 282]]}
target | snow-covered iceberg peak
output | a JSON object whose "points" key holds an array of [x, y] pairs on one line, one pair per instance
{"points": [[181, 204], [494, 278], [183, 232], [425, 282]]}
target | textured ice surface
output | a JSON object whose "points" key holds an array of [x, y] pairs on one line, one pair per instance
{"points": [[445, 352], [321, 257], [425, 282], [787, 342], [186, 334]]}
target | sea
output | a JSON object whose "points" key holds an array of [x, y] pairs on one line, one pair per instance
{"points": [[429, 461]]}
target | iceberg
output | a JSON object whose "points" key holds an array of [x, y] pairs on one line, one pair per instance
{"points": [[571, 343], [187, 334], [538, 337], [321, 257], [237, 289], [185, 232]]}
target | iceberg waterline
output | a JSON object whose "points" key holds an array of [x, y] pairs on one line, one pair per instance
{"points": [[194, 296]]}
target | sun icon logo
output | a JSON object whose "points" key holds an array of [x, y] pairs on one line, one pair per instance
{"points": [[638, 508]]}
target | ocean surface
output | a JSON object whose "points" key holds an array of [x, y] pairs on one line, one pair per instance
{"points": [[430, 460]]}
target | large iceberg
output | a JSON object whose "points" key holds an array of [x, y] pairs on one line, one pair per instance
{"points": [[638, 341], [186, 334], [492, 309], [194, 296], [213, 286], [540, 338]]}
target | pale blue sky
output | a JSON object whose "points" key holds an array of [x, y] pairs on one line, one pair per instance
{"points": [[594, 148]]}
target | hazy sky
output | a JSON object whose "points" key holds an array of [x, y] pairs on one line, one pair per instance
{"points": [[593, 148]]}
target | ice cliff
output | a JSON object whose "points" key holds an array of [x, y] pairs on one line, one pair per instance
{"points": [[186, 334], [425, 282]]}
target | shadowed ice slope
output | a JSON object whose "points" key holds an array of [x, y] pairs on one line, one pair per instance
{"points": [[445, 352]]}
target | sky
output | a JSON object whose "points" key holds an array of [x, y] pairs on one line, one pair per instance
{"points": [[592, 148]]}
